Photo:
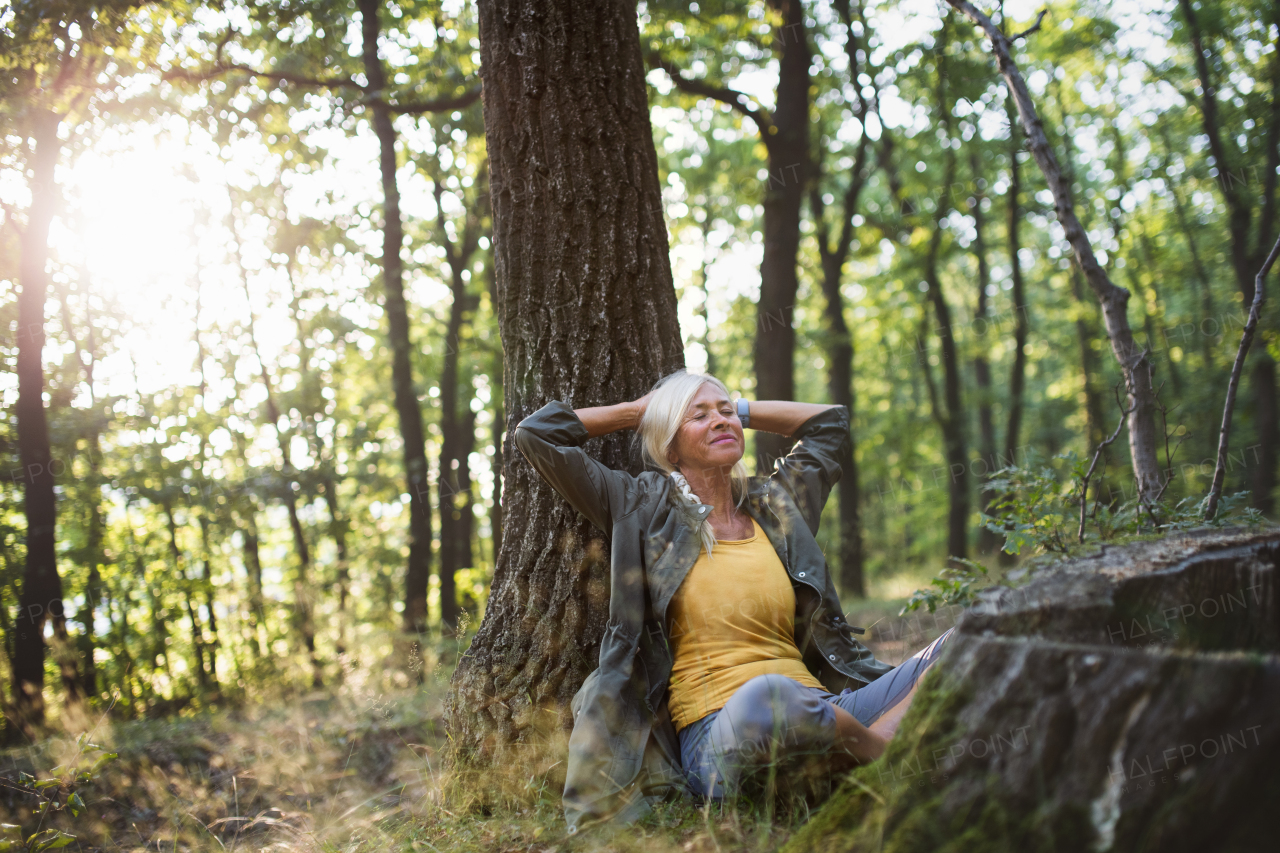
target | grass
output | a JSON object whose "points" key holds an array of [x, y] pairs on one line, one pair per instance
{"points": [[360, 766]]}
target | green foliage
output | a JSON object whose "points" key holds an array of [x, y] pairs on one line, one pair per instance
{"points": [[1038, 510], [60, 792], [956, 585]]}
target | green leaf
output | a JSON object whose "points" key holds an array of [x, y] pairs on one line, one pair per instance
{"points": [[75, 804], [46, 783], [48, 840], [103, 761]]}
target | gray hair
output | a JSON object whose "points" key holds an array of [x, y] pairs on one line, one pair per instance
{"points": [[662, 419]]}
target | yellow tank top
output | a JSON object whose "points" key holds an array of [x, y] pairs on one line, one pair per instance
{"points": [[732, 619]]}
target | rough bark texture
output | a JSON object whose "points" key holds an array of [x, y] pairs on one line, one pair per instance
{"points": [[587, 312], [418, 569], [1117, 702], [41, 587]]}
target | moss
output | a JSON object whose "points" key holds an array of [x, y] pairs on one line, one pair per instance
{"points": [[896, 805]]}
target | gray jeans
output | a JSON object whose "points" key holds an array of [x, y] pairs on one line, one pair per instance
{"points": [[775, 722]]}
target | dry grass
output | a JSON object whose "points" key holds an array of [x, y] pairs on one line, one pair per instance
{"points": [[358, 767]]}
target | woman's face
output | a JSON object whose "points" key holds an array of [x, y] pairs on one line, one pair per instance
{"points": [[710, 438]]}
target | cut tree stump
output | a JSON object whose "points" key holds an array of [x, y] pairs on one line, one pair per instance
{"points": [[1125, 701]]}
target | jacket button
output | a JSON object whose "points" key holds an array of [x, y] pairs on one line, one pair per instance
{"points": [[831, 657], [802, 574]]}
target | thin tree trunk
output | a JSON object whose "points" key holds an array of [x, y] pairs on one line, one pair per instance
{"points": [[787, 144], [94, 527], [457, 427], [587, 312], [1013, 223], [988, 541], [1247, 255], [41, 586], [206, 584], [302, 584], [412, 436], [950, 414], [704, 307], [1133, 361], [253, 567], [180, 572]]}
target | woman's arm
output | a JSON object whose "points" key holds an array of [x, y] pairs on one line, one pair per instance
{"points": [[602, 420], [782, 416]]}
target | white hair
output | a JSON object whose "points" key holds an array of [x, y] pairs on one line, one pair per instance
{"points": [[663, 417]]}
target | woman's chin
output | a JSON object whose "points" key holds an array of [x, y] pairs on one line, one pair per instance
{"points": [[724, 456]]}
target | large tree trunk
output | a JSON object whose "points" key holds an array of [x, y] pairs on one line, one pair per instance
{"points": [[787, 144], [41, 586], [588, 316], [418, 570]]}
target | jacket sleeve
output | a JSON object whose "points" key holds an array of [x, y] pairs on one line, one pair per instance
{"points": [[551, 440], [812, 468]]}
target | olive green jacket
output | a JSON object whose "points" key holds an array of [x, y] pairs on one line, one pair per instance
{"points": [[623, 752]]}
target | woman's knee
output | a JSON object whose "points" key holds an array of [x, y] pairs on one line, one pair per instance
{"points": [[774, 709]]}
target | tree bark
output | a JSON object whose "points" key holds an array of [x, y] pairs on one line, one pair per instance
{"points": [[412, 436], [587, 312], [41, 586]]}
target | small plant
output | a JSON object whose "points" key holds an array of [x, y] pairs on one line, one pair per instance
{"points": [[1036, 510], [956, 585], [59, 792]]}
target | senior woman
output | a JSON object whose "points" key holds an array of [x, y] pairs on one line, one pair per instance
{"points": [[726, 651]]}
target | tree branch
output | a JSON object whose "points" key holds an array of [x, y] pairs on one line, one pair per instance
{"points": [[735, 99], [439, 105], [279, 76], [1031, 29]]}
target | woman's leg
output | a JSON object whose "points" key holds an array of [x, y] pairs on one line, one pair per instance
{"points": [[881, 704], [770, 721]]}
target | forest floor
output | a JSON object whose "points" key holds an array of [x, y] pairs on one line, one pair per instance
{"points": [[361, 767]]}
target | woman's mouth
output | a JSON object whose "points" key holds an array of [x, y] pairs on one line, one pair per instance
{"points": [[723, 439]]}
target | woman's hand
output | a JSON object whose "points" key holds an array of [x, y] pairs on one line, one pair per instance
{"points": [[641, 405]]}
